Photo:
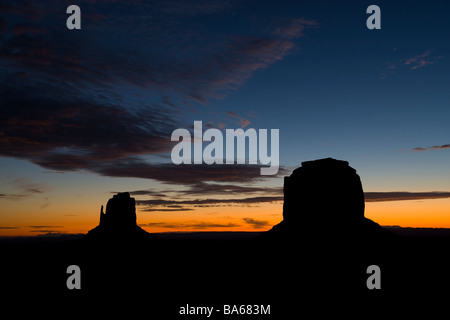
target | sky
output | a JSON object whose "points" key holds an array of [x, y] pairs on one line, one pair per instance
{"points": [[87, 113]]}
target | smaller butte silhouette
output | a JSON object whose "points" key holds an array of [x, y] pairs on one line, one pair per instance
{"points": [[324, 199], [119, 221]]}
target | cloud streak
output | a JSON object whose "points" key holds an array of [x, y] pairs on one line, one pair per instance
{"points": [[188, 205], [256, 224], [420, 60], [69, 135], [398, 196], [181, 174], [23, 188], [213, 202], [193, 225], [200, 191], [415, 62], [441, 147], [44, 227], [243, 122], [203, 189]]}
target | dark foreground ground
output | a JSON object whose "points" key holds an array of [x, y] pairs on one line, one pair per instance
{"points": [[156, 279]]}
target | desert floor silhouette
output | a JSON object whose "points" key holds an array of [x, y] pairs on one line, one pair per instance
{"points": [[317, 256]]}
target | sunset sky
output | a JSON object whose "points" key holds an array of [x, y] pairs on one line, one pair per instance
{"points": [[88, 113]]}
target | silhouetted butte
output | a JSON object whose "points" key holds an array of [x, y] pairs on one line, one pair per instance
{"points": [[324, 198], [119, 221]]}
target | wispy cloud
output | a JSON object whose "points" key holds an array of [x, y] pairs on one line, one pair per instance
{"points": [[207, 194], [232, 114], [192, 225], [420, 60], [294, 28], [210, 202], [415, 62], [181, 174], [397, 196], [441, 147], [243, 122], [183, 205], [188, 205], [256, 224], [171, 209], [206, 189], [203, 188], [70, 135], [22, 188], [44, 227]]}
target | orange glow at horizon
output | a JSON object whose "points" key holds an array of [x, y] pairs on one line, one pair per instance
{"points": [[431, 213], [230, 218]]}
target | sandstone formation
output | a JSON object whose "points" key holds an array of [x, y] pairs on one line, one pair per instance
{"points": [[119, 221], [324, 199]]}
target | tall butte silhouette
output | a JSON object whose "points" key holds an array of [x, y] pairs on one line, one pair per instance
{"points": [[119, 221], [324, 198]]}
